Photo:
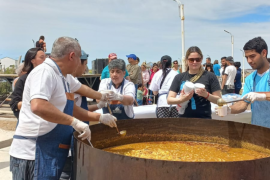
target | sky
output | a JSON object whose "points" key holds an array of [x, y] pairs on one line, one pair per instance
{"points": [[147, 28]]}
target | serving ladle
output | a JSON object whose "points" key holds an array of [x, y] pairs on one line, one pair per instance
{"points": [[221, 102], [121, 133]]}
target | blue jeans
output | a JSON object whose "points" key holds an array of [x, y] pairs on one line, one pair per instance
{"points": [[140, 102], [21, 168], [136, 88]]}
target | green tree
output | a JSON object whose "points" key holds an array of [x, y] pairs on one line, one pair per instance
{"points": [[9, 70]]}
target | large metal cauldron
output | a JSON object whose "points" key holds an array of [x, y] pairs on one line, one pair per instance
{"points": [[96, 164]]}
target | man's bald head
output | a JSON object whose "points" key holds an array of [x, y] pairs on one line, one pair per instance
{"points": [[64, 46]]}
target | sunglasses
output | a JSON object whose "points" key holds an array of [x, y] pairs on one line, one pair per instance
{"points": [[194, 59]]}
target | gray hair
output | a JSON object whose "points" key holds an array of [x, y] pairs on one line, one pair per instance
{"points": [[65, 45], [19, 69], [118, 64]]}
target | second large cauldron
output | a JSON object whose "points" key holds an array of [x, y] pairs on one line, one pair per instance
{"points": [[96, 164]]}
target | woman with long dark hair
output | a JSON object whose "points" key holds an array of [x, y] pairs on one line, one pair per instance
{"points": [[199, 106], [33, 58], [209, 68], [160, 85]]}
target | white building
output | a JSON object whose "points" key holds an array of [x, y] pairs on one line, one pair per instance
{"points": [[8, 62]]}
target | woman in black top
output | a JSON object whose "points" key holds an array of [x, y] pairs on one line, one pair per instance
{"points": [[199, 105], [209, 68], [33, 58]]}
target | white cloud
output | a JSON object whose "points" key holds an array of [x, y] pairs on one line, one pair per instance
{"points": [[149, 28]]}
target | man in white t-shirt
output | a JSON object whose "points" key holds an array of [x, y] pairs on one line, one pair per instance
{"points": [[123, 91], [42, 139], [229, 76]]}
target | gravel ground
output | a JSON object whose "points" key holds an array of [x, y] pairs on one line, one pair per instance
{"points": [[8, 125], [5, 135]]}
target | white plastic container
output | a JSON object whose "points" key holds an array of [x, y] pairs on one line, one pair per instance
{"points": [[188, 88], [199, 86], [222, 111]]}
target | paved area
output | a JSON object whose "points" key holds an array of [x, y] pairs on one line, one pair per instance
{"points": [[4, 164]]}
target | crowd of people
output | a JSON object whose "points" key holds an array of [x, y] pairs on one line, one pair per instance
{"points": [[50, 103]]}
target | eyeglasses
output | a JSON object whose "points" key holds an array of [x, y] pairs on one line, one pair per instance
{"points": [[194, 59], [175, 63]]}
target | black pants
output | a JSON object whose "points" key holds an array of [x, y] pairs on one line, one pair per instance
{"points": [[66, 174], [225, 90]]}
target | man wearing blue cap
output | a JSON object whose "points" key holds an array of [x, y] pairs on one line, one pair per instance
{"points": [[133, 70]]}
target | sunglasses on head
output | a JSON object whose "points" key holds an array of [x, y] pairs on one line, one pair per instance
{"points": [[194, 59]]}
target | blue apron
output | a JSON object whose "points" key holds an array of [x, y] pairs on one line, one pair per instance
{"points": [[260, 119], [52, 148], [118, 110]]}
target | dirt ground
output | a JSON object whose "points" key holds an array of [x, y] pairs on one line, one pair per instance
{"points": [[8, 125]]}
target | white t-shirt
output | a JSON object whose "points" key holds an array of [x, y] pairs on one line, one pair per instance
{"points": [[231, 72], [77, 97], [128, 89], [221, 70], [155, 86], [44, 82]]}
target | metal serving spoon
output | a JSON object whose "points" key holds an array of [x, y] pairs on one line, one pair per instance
{"points": [[221, 102]]}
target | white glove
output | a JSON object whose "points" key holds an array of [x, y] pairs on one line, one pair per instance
{"points": [[252, 96], [108, 119], [82, 128], [104, 96], [115, 97], [102, 104]]}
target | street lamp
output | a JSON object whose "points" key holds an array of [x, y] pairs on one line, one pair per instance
{"points": [[34, 43], [181, 11], [243, 66], [232, 40]]}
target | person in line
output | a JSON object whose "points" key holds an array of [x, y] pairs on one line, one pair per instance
{"points": [[216, 69], [238, 78], [48, 115], [133, 70], [145, 74], [160, 85], [199, 106], [222, 69], [223, 65], [208, 62], [123, 91], [209, 68], [140, 78], [33, 58], [106, 73], [19, 72], [79, 101], [153, 71], [176, 67], [227, 85], [140, 93], [41, 43], [256, 51], [145, 93]]}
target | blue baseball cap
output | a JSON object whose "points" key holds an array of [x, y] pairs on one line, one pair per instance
{"points": [[133, 56], [84, 55]]}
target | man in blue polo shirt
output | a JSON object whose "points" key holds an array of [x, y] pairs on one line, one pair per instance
{"points": [[256, 53], [106, 73]]}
